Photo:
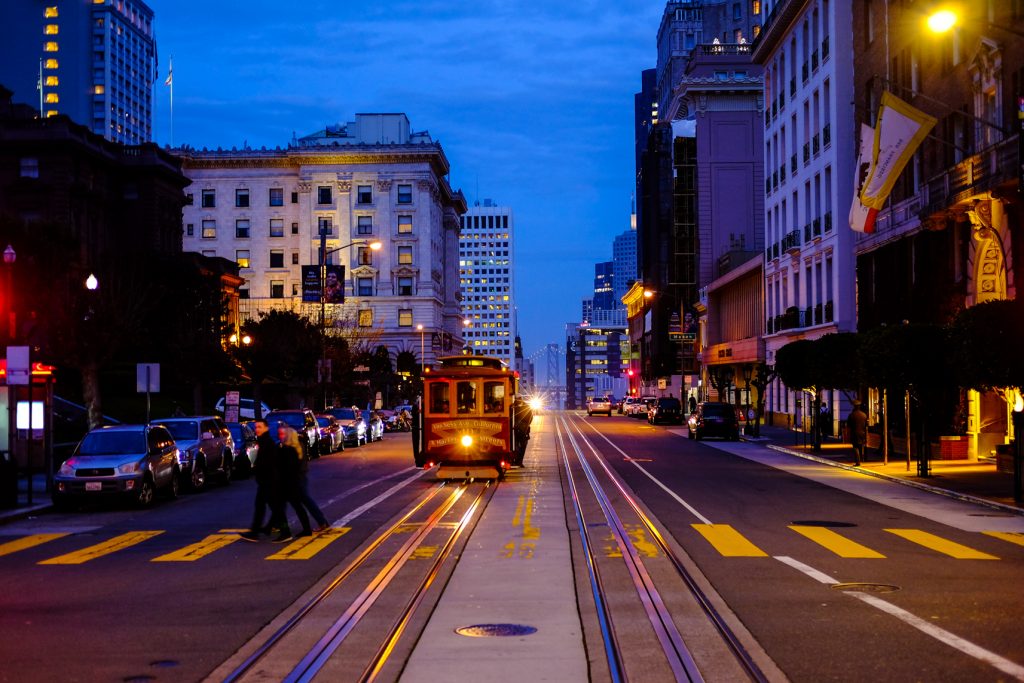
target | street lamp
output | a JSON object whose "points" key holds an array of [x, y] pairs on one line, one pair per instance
{"points": [[423, 360], [941, 20], [91, 283], [466, 322], [9, 258]]}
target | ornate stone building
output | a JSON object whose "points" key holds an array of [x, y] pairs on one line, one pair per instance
{"points": [[372, 180]]}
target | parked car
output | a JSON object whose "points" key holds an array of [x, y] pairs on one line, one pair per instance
{"points": [[615, 402], [624, 407], [643, 406], [304, 423], [206, 447], [244, 439], [374, 426], [667, 410], [131, 461], [352, 422], [599, 404], [245, 408], [332, 437], [714, 419]]}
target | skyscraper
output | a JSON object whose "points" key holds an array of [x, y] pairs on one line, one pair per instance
{"points": [[486, 277], [624, 263], [604, 277], [93, 60]]}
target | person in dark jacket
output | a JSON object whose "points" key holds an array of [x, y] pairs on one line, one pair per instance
{"points": [[522, 418], [265, 471], [300, 483], [291, 463], [416, 429], [857, 425]]}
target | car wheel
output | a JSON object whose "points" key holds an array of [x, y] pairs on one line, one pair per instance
{"points": [[174, 487], [197, 480], [145, 493], [227, 467]]}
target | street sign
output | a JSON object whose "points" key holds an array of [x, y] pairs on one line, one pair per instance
{"points": [[147, 378], [663, 383], [675, 336], [231, 409], [19, 369], [360, 368]]}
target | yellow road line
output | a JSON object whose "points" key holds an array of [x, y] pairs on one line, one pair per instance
{"points": [[1010, 536], [941, 545], [105, 548], [840, 545], [728, 541], [305, 548], [27, 542], [191, 553]]}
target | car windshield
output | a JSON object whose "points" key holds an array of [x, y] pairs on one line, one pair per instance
{"points": [[323, 421], [668, 403], [183, 430], [717, 409], [112, 443], [601, 399], [344, 413], [293, 420], [236, 432]]}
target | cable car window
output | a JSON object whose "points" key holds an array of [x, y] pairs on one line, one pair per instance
{"points": [[439, 398], [494, 397], [465, 397]]}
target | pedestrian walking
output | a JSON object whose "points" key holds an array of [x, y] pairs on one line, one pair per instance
{"points": [[300, 483], [416, 446], [290, 461], [857, 426], [522, 418], [266, 472]]}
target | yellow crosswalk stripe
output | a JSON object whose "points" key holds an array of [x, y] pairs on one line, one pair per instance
{"points": [[305, 548], [105, 548], [941, 545], [728, 541], [27, 542], [838, 544], [1010, 536], [193, 552]]}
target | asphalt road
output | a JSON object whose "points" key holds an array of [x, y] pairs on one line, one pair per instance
{"points": [[813, 631], [123, 616]]}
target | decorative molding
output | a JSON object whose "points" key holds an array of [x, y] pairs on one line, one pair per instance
{"points": [[344, 185], [305, 186], [383, 186], [364, 271]]}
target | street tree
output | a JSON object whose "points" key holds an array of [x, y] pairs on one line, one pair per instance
{"points": [[798, 366], [985, 345]]}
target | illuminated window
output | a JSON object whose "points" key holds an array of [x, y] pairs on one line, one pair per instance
{"points": [[52, 97], [51, 29], [98, 90], [52, 80], [51, 112], [405, 224], [50, 64], [405, 317], [405, 255], [50, 46], [242, 258], [50, 12], [209, 230]]}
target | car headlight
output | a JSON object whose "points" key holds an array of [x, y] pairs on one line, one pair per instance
{"points": [[129, 468], [67, 469], [186, 455]]}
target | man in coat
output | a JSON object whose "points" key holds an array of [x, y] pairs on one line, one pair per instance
{"points": [[857, 425], [267, 473]]}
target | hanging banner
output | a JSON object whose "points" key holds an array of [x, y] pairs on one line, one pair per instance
{"points": [[859, 214], [311, 284], [900, 130]]}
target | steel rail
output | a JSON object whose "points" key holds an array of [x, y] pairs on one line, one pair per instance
{"points": [[728, 636], [678, 656]]}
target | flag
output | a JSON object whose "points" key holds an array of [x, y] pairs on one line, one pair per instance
{"points": [[862, 219], [170, 72], [900, 130]]}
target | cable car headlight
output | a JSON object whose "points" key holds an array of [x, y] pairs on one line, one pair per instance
{"points": [[536, 404], [467, 440]]}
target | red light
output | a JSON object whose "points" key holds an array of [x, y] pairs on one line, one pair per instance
{"points": [[630, 373]]}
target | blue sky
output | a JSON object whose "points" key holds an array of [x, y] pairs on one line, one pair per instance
{"points": [[532, 99]]}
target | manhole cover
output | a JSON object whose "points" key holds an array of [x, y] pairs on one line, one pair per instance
{"points": [[164, 663], [495, 630], [866, 587], [822, 523]]}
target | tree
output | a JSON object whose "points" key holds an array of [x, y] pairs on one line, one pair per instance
{"points": [[799, 366], [285, 346], [985, 345]]}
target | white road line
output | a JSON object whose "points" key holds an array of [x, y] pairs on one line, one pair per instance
{"points": [[940, 634], [349, 492], [650, 476], [379, 499]]}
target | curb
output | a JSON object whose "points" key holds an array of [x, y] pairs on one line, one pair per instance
{"points": [[16, 514], [955, 495]]}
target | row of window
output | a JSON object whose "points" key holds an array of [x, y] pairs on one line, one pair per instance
{"points": [[364, 257], [485, 223], [324, 196], [325, 226], [362, 286]]}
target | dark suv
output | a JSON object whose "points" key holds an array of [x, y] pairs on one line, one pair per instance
{"points": [[302, 421], [667, 410], [714, 419]]}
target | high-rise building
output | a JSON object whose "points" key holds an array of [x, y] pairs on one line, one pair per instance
{"points": [[93, 60], [372, 180], [624, 263], [487, 279], [604, 276]]}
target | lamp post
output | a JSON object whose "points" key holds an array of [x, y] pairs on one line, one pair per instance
{"points": [[423, 346], [1018, 450], [466, 350], [10, 256]]}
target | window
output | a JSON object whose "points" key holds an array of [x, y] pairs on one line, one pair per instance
{"points": [[364, 286], [190, 230], [242, 198], [405, 194], [243, 293], [276, 196], [364, 225], [50, 12], [405, 224], [405, 317], [405, 286], [54, 81], [50, 46], [52, 97], [295, 197], [737, 12], [242, 229], [29, 167], [465, 397], [277, 258], [323, 195], [439, 398], [209, 199], [209, 230], [242, 258], [277, 289], [405, 255], [50, 64], [51, 29], [295, 228], [277, 227], [755, 7], [295, 289], [366, 317], [494, 398], [295, 258], [324, 225], [365, 256], [364, 194]]}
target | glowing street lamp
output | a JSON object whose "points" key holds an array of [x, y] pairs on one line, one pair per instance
{"points": [[423, 359], [941, 21], [91, 283]]}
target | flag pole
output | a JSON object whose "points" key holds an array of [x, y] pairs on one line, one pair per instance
{"points": [[170, 83]]}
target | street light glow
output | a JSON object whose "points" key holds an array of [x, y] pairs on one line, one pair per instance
{"points": [[91, 283], [648, 294], [246, 339], [942, 20], [419, 328], [375, 246]]}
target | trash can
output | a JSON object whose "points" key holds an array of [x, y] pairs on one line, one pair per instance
{"points": [[8, 482]]}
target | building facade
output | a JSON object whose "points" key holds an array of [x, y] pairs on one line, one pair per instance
{"points": [[487, 277], [372, 180], [95, 61], [807, 56], [624, 262], [596, 363]]}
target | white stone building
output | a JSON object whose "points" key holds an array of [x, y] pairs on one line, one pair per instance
{"points": [[370, 180], [805, 47], [486, 249]]}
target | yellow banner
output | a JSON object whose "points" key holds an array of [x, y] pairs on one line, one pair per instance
{"points": [[900, 130]]}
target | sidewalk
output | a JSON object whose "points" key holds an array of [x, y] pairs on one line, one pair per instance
{"points": [[965, 479], [40, 499]]}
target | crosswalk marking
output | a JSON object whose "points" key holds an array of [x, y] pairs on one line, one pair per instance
{"points": [[27, 542], [840, 545], [191, 553], [305, 548], [728, 541], [105, 548], [941, 545], [1009, 536]]}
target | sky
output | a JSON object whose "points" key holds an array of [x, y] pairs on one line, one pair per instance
{"points": [[532, 101]]}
